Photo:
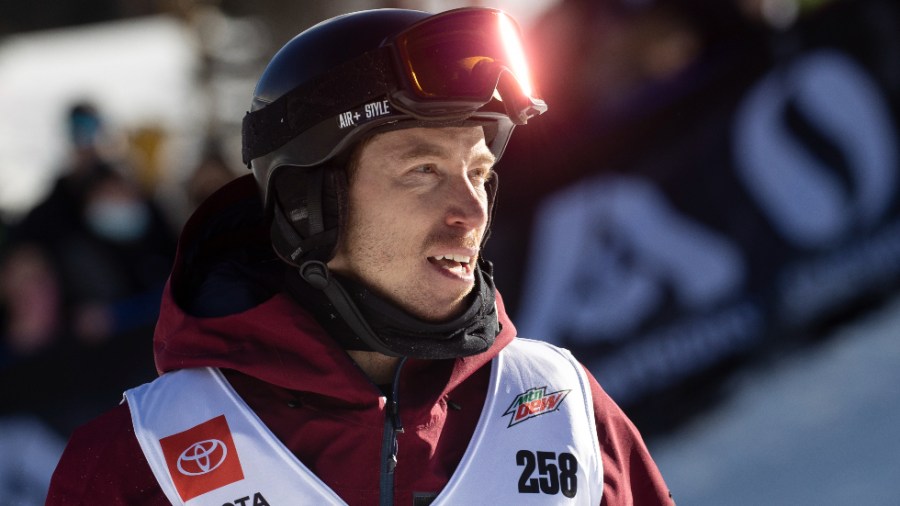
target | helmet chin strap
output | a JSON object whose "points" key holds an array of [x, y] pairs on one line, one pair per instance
{"points": [[361, 320], [318, 276]]}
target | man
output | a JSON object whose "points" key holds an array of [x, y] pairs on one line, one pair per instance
{"points": [[370, 361]]}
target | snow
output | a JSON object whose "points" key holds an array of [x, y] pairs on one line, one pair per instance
{"points": [[818, 427]]}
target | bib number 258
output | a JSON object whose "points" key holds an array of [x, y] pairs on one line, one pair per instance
{"points": [[547, 473]]}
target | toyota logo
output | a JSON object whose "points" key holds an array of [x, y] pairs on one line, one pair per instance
{"points": [[202, 457]]}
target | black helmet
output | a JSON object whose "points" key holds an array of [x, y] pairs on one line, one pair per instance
{"points": [[350, 76]]}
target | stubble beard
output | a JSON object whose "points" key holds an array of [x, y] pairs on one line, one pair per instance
{"points": [[372, 254]]}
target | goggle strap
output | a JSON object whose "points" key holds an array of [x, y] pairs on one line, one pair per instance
{"points": [[361, 79]]}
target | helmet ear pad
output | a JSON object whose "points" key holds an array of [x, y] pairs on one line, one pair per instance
{"points": [[307, 212]]}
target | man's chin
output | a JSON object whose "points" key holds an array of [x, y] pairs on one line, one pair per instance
{"points": [[439, 311]]}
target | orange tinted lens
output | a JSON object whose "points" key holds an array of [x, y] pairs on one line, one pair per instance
{"points": [[461, 54]]}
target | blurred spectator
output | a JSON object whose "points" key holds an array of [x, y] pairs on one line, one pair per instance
{"points": [[114, 271], [82, 279], [59, 210], [106, 242], [31, 295]]}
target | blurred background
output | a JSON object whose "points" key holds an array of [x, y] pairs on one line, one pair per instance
{"points": [[707, 216]]}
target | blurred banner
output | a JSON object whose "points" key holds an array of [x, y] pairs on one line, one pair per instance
{"points": [[737, 199]]}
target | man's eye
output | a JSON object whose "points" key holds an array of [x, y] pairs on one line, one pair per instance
{"points": [[424, 169], [481, 176]]}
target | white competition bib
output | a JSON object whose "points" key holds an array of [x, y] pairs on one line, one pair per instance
{"points": [[535, 442]]}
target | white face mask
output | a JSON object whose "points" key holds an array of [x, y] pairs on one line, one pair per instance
{"points": [[118, 220]]}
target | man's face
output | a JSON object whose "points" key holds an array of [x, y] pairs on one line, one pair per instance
{"points": [[417, 213]]}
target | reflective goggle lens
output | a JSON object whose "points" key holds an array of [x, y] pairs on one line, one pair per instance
{"points": [[461, 54]]}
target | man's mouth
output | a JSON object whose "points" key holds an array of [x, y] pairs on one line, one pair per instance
{"points": [[461, 265]]}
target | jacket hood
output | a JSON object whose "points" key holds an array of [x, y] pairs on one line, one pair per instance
{"points": [[223, 306]]}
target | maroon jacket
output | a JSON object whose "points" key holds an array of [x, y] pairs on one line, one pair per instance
{"points": [[311, 395]]}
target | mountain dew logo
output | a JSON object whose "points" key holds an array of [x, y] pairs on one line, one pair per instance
{"points": [[534, 402]]}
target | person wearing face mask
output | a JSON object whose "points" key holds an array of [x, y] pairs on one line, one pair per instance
{"points": [[330, 333], [115, 212], [116, 269], [84, 273], [107, 242]]}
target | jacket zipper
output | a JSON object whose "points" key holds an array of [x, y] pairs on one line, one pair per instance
{"points": [[389, 447]]}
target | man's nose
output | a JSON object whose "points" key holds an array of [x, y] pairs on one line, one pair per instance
{"points": [[467, 205]]}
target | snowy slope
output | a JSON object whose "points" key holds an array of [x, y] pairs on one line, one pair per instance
{"points": [[820, 427]]}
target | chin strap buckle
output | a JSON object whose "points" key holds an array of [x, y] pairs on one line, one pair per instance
{"points": [[316, 274]]}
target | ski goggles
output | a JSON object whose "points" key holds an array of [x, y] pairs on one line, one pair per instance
{"points": [[453, 63], [462, 63]]}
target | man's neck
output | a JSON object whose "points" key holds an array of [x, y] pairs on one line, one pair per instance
{"points": [[379, 368]]}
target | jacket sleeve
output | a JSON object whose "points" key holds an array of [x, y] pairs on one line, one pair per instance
{"points": [[629, 474], [103, 464]]}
